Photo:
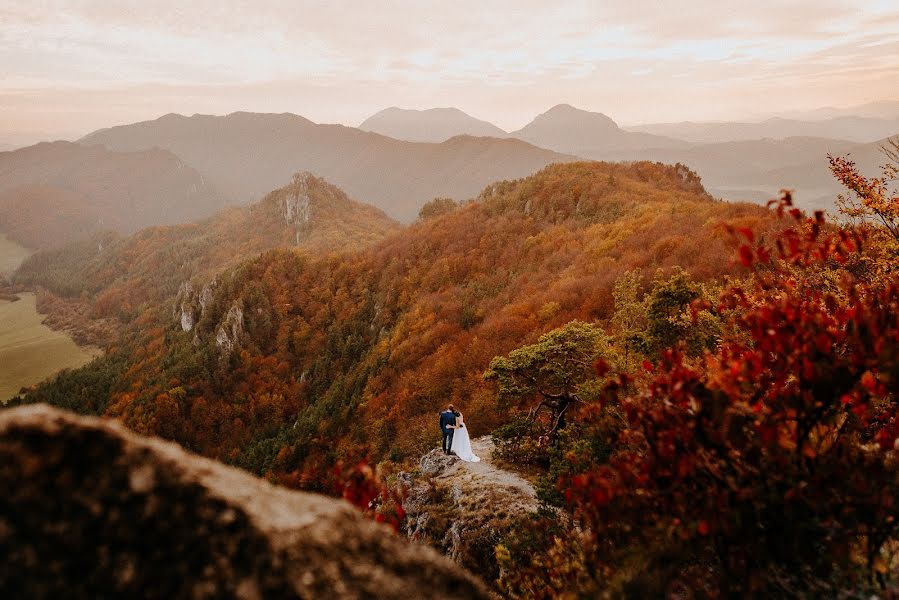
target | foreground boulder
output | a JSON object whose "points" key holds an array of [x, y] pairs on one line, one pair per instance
{"points": [[89, 509]]}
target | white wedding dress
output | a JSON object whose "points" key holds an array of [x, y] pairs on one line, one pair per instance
{"points": [[462, 444]]}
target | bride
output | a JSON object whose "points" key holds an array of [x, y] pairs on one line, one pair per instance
{"points": [[461, 442]]}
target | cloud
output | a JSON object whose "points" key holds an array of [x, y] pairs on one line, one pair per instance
{"points": [[81, 63]]}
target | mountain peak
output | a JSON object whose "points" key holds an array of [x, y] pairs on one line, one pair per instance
{"points": [[428, 125], [566, 115], [564, 107]]}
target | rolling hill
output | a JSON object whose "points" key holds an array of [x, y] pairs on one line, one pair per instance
{"points": [[55, 192], [431, 125], [247, 154]]}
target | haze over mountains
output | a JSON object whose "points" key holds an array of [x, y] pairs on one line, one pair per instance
{"points": [[176, 169], [54, 192], [431, 125], [737, 161], [851, 128], [246, 155], [588, 134], [885, 109]]}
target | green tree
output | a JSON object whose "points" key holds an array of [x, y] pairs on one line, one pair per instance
{"points": [[557, 371], [629, 321], [670, 320]]}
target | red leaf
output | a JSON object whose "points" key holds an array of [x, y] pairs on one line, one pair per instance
{"points": [[869, 381]]}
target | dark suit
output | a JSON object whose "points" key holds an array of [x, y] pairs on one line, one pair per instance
{"points": [[447, 419]]}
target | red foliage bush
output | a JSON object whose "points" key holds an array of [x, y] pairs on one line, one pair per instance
{"points": [[771, 461]]}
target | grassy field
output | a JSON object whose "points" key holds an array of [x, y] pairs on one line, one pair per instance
{"points": [[11, 255], [29, 350]]}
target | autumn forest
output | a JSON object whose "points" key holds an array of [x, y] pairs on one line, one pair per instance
{"points": [[507, 300], [677, 374]]}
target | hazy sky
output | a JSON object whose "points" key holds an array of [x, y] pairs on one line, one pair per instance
{"points": [[71, 67]]}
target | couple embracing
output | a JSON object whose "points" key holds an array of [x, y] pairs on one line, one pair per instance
{"points": [[455, 435]]}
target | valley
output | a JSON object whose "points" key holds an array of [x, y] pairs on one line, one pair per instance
{"points": [[29, 350]]}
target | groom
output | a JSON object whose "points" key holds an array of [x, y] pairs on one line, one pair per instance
{"points": [[448, 427]]}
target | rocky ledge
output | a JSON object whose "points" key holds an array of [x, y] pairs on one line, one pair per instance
{"points": [[465, 509], [91, 510]]}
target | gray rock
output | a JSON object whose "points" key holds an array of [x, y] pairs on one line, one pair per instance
{"points": [[464, 509], [91, 510]]}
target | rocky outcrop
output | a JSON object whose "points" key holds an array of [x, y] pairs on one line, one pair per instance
{"points": [[190, 304], [464, 509], [297, 203], [228, 334], [184, 306], [91, 510]]}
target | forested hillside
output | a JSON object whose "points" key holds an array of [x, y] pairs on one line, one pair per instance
{"points": [[295, 360], [121, 277]]}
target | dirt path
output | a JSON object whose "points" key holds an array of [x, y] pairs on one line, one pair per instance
{"points": [[481, 483]]}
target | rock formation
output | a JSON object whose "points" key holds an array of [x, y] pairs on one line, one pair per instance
{"points": [[229, 332], [91, 510], [464, 509]]}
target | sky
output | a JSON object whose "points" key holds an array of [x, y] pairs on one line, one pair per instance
{"points": [[67, 68]]}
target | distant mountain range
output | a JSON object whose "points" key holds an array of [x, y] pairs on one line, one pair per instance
{"points": [[177, 168], [431, 125], [247, 154], [851, 128], [565, 128], [886, 109], [54, 192], [737, 161], [562, 128]]}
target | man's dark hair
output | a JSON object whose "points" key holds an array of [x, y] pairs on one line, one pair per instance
{"points": [[451, 407]]}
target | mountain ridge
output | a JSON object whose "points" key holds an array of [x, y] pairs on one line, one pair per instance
{"points": [[248, 154], [850, 128], [55, 192]]}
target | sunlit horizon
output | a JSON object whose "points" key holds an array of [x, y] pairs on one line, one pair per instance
{"points": [[637, 62]]}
